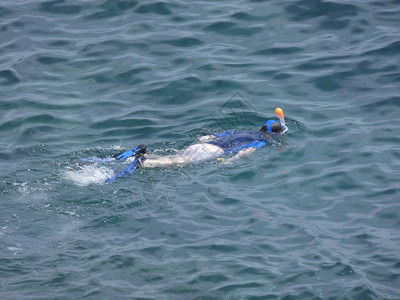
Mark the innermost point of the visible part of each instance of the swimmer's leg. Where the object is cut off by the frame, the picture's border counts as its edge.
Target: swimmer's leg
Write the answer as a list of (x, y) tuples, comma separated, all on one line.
[(165, 161), (194, 153)]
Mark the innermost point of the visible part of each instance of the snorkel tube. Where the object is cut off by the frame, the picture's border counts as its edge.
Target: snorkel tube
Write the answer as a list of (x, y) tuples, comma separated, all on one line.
[(281, 117)]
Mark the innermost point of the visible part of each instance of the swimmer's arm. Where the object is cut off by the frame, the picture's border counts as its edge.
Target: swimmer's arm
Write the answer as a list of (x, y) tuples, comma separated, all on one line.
[(240, 154)]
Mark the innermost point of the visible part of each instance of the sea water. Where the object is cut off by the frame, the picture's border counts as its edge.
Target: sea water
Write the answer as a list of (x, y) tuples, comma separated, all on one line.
[(314, 216)]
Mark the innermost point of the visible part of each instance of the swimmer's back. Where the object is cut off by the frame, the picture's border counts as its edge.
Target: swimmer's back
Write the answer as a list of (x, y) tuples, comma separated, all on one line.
[(239, 139)]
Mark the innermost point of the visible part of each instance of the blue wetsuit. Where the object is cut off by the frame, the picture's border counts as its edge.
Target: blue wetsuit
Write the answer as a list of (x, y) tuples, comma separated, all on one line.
[(232, 142)]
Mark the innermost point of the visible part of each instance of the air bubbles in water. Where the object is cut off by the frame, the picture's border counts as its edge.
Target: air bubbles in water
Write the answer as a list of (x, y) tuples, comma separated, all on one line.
[(89, 175)]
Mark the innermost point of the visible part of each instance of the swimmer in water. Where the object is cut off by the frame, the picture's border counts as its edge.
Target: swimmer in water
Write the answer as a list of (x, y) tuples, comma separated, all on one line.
[(237, 143)]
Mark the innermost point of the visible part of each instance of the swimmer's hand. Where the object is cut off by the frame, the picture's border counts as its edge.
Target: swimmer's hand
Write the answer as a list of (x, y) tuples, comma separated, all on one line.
[(206, 138)]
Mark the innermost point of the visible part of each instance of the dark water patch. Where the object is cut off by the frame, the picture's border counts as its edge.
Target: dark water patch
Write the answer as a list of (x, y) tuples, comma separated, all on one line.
[(57, 7), (236, 286), (14, 45), (159, 8), (214, 278), (220, 85), (310, 9), (357, 30), (35, 132), (116, 262), (179, 61), (152, 250), (388, 140), (163, 53), (45, 118), (112, 8), (32, 104), (278, 51), (391, 49), (179, 19), (333, 24), (346, 271), (364, 67), (389, 78), (4, 12), (282, 76), (208, 67), (182, 291), (231, 28), (36, 150), (332, 82), (362, 292), (299, 277), (244, 16), (107, 48), (224, 66), (59, 43), (220, 26), (379, 105), (18, 24), (128, 123), (229, 201), (184, 42), (249, 271), (129, 76), (328, 83), (383, 15), (38, 119), (243, 176), (239, 65), (269, 73), (114, 135), (106, 221), (7, 77), (86, 63), (50, 60), (107, 77), (181, 89)]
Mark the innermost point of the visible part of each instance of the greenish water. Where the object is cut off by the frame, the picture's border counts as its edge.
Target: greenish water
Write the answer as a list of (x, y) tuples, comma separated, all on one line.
[(314, 216)]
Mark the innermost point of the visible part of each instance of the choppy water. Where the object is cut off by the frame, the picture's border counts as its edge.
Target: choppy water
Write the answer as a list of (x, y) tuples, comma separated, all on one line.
[(314, 216)]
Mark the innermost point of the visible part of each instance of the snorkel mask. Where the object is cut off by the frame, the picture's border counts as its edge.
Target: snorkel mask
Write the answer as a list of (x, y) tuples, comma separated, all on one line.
[(268, 126), (274, 128)]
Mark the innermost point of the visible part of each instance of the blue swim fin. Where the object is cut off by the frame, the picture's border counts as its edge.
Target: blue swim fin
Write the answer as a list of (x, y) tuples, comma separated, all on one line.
[(137, 163), (138, 152), (131, 152), (119, 156)]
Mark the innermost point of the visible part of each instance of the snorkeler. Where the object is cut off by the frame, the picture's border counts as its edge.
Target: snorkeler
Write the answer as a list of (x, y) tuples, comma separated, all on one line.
[(235, 143)]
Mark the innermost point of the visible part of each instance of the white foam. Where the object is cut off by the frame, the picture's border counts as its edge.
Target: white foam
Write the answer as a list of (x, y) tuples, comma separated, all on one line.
[(89, 175)]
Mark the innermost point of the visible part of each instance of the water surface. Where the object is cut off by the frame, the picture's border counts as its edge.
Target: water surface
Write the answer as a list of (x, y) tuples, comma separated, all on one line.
[(314, 216)]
